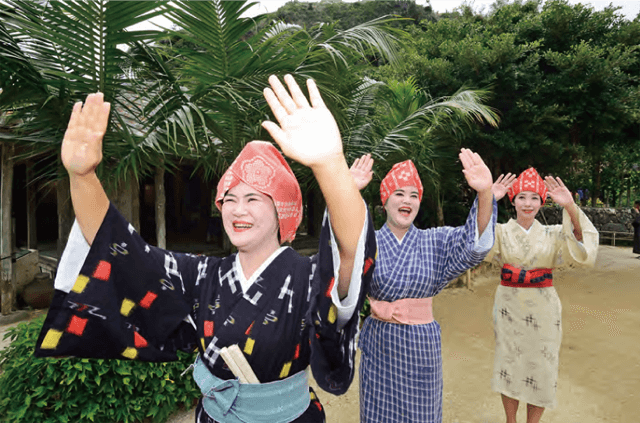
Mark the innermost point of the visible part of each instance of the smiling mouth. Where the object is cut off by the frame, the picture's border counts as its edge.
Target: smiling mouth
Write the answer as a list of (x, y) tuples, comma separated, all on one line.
[(405, 211), (241, 226)]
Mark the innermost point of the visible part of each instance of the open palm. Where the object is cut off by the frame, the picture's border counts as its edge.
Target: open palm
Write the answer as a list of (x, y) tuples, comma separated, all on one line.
[(82, 144), (501, 186), (308, 133), (475, 171), (558, 191), (362, 172)]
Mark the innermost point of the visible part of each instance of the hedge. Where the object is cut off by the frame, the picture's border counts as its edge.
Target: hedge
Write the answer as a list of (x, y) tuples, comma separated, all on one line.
[(81, 390)]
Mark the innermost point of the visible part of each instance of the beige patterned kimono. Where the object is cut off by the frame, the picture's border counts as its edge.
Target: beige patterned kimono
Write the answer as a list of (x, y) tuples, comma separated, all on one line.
[(528, 321)]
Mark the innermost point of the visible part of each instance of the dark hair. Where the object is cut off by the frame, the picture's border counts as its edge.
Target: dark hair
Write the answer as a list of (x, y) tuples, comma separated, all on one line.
[(636, 203)]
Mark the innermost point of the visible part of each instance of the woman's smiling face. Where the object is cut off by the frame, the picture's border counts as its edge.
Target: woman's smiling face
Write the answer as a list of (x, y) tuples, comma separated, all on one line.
[(249, 217), (527, 204), (402, 207)]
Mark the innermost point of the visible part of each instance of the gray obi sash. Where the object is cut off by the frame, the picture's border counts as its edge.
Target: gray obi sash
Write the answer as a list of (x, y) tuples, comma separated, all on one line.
[(230, 401)]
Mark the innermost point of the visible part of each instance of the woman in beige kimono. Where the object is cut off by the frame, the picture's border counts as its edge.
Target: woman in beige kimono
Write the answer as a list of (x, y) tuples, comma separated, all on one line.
[(527, 311)]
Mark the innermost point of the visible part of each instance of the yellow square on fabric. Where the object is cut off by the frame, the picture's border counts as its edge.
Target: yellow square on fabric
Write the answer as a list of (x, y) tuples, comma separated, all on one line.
[(81, 284), (333, 314), (126, 307), (130, 353), (285, 370), (248, 346), (51, 339)]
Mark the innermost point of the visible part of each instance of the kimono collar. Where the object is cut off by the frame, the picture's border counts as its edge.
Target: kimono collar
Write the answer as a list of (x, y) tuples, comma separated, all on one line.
[(534, 225), (400, 241), (246, 283)]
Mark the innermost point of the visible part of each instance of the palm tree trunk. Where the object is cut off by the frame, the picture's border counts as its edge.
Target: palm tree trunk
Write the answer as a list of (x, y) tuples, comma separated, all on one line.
[(66, 215), (161, 205), (440, 210), (7, 285), (126, 198), (32, 236)]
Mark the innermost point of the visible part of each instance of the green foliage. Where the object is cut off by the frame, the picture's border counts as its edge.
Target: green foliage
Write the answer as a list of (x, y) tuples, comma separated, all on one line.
[(81, 390), (348, 15), (564, 78)]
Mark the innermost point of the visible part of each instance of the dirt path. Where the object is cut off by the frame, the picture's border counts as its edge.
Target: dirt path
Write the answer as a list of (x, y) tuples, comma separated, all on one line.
[(599, 377)]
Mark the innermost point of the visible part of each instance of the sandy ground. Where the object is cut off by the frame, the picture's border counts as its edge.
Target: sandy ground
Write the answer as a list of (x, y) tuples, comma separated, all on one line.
[(599, 378)]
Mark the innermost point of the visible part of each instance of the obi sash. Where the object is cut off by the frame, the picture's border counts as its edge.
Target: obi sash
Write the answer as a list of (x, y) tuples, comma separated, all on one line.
[(407, 311), (519, 278), (235, 402)]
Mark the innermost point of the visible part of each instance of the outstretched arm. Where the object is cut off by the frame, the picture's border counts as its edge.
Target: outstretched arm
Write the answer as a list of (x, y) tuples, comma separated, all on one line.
[(308, 134), (81, 153), (479, 178)]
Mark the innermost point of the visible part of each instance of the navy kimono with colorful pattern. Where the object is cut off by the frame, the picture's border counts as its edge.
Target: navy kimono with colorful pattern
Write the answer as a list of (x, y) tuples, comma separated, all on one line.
[(135, 301)]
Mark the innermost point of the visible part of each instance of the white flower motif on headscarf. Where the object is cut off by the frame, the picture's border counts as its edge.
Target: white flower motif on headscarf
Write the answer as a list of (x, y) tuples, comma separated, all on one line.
[(258, 173), (404, 175)]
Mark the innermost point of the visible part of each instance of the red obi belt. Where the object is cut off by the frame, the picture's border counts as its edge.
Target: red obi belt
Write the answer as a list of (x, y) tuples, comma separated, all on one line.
[(520, 278)]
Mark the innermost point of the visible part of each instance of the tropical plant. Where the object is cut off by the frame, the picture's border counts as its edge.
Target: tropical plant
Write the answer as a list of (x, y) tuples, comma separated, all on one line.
[(55, 53), (397, 120)]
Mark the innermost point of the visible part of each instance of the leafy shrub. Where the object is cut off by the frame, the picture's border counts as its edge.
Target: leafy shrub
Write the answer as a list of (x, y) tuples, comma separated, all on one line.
[(81, 390)]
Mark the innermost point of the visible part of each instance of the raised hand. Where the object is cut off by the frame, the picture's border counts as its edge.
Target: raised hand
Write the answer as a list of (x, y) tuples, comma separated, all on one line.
[(82, 144), (475, 171), (307, 133), (558, 192), (361, 171), (501, 186)]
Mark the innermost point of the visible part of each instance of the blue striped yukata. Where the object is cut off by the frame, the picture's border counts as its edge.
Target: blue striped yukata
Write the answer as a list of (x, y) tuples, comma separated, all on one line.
[(401, 365)]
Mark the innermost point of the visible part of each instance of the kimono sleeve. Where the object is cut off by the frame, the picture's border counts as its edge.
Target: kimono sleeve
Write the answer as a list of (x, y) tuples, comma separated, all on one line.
[(129, 299), (574, 252), (495, 254), (333, 348), (460, 245)]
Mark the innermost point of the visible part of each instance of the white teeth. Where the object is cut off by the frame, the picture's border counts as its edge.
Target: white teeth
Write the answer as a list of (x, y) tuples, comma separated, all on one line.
[(242, 226)]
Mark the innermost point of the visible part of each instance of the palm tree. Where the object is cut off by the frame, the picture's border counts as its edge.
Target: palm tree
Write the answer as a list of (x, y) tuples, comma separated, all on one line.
[(51, 55), (396, 120)]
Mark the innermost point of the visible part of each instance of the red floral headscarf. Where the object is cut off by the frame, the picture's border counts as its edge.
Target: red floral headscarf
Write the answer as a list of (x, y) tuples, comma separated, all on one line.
[(263, 168), (403, 174), (529, 180)]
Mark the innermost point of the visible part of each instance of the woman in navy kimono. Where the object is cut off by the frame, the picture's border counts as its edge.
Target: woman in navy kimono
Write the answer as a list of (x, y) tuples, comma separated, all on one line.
[(118, 297), (401, 362)]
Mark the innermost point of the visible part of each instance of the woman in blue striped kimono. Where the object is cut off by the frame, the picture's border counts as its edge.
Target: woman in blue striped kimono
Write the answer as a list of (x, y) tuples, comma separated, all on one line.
[(401, 363)]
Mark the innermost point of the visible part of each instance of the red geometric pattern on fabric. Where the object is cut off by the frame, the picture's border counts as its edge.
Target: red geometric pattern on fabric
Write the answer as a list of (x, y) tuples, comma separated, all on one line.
[(76, 325), (139, 341), (367, 265), (297, 353), (529, 180), (103, 270), (261, 166), (148, 299), (330, 287), (403, 174), (208, 328), (248, 331)]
